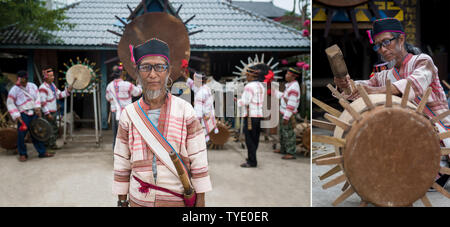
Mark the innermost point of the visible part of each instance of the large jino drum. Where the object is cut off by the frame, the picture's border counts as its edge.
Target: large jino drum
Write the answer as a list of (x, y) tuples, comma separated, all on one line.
[(80, 75)]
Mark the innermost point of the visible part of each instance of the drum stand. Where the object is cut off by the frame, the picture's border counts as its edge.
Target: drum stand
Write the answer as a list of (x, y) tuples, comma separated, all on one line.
[(97, 117)]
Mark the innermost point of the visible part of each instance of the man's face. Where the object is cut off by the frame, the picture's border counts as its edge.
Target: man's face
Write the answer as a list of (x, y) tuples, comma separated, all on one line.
[(49, 74), (150, 77), (23, 81), (290, 76), (393, 49)]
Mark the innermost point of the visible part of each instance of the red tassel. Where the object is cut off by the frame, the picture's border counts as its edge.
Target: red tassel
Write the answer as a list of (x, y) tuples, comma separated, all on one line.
[(143, 189), (23, 126)]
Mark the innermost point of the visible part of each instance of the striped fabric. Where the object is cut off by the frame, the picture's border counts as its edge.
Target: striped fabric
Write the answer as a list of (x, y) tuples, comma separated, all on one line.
[(179, 125), (290, 99), (422, 72), (48, 98), (253, 97), (18, 102), (122, 91)]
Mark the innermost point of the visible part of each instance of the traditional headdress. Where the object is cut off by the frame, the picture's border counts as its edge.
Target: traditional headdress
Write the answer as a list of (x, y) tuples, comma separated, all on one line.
[(153, 47), (385, 25), (295, 71), (200, 75)]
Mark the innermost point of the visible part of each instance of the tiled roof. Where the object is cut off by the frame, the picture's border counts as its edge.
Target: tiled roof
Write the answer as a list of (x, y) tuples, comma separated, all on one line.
[(224, 25), (267, 9)]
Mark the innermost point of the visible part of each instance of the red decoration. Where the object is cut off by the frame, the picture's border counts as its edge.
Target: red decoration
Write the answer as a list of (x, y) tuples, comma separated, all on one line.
[(306, 23), (300, 64), (306, 66), (305, 33), (268, 79), (284, 62), (184, 63)]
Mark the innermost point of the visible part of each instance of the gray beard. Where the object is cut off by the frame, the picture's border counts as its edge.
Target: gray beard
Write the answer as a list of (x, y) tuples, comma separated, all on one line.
[(152, 94)]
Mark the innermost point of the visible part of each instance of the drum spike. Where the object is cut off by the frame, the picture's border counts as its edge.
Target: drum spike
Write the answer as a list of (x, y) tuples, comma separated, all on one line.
[(337, 122), (426, 202), (121, 21), (423, 101), (445, 151), (78, 60), (274, 65), (193, 33), (441, 190), (178, 10), (334, 91), (113, 32), (444, 135), (237, 67), (350, 109), (330, 172), (335, 181), (262, 58), (66, 65), (243, 63), (328, 140), (256, 58), (444, 170), (326, 107), (344, 196), (329, 161), (388, 94), (365, 96), (406, 94), (187, 21), (270, 61)]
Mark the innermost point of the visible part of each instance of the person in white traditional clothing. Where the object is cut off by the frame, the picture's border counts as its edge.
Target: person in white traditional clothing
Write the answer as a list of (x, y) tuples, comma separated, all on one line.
[(389, 40), (49, 93), (252, 100), (290, 100), (119, 94), (24, 105), (203, 102), (156, 125)]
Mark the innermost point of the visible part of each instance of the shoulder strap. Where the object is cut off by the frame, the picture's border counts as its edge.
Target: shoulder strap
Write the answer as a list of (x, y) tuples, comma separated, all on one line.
[(151, 137)]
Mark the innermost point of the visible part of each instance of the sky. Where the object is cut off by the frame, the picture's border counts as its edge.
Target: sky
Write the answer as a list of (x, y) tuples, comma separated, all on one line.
[(285, 4)]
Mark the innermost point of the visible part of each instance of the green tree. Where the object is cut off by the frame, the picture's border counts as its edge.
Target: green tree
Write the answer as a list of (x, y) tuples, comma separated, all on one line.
[(32, 17)]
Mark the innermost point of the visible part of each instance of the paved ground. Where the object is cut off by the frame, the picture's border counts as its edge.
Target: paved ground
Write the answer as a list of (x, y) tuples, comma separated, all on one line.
[(325, 198), (81, 175)]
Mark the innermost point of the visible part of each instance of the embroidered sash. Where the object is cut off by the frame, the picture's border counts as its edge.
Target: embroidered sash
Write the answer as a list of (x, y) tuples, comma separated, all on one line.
[(153, 139)]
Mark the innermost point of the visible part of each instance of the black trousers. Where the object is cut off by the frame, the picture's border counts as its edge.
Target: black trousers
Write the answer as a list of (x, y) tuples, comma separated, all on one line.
[(252, 139)]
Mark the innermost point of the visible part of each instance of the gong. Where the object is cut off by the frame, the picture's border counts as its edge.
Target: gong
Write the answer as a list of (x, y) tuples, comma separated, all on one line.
[(41, 129)]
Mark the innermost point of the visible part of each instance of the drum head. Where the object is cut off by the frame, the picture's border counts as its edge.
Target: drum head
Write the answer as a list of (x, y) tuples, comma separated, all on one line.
[(82, 73), (156, 25), (8, 138)]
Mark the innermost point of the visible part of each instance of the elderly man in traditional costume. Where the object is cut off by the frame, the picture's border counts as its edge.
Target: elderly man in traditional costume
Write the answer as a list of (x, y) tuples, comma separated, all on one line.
[(203, 102), (252, 100), (24, 105), (119, 94), (290, 99), (389, 40), (49, 93), (150, 128)]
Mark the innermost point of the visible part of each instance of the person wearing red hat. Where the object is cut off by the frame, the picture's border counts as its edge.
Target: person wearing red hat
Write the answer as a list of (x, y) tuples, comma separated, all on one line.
[(290, 100), (49, 93), (24, 105)]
